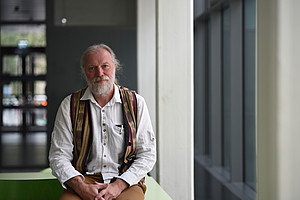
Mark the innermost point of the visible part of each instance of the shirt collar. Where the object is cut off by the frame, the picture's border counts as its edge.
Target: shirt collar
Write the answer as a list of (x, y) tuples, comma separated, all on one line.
[(115, 99)]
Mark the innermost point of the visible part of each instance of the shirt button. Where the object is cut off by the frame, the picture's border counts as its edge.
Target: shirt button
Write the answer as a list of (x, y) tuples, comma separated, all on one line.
[(103, 110), (104, 130), (104, 124), (105, 136), (104, 144), (104, 156), (104, 166)]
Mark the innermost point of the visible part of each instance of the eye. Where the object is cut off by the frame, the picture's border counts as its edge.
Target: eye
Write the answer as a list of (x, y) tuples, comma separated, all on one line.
[(91, 68)]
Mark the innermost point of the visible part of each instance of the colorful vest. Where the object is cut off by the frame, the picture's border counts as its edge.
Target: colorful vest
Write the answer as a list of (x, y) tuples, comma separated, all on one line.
[(83, 133)]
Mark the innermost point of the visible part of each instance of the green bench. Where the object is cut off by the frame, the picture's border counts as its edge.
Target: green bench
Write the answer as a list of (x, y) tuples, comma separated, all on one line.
[(43, 185), (37, 185)]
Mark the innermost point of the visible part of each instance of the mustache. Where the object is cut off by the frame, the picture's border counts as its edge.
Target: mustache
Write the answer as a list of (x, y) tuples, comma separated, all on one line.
[(100, 78)]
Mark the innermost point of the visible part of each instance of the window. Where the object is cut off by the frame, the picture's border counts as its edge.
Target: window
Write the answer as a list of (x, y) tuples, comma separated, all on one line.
[(225, 98), (23, 69)]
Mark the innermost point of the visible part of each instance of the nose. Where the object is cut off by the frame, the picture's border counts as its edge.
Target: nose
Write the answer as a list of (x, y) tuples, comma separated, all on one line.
[(99, 71)]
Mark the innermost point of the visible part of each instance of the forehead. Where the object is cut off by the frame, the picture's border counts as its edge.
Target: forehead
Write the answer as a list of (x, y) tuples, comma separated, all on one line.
[(99, 55)]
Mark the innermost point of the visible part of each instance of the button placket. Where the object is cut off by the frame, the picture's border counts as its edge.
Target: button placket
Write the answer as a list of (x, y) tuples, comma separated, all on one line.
[(105, 137)]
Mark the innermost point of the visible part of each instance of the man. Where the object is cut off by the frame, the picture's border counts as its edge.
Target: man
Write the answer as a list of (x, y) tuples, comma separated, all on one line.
[(103, 143)]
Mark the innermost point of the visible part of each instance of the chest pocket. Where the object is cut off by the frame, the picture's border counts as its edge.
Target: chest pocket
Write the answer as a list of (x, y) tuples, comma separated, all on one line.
[(117, 140)]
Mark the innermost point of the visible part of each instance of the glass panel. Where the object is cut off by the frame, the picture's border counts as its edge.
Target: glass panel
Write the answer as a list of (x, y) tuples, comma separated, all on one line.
[(40, 87), (40, 117), (36, 64), (208, 91), (12, 65), (12, 117), (249, 91), (40, 98), (226, 87), (12, 94), (23, 35), (40, 64)]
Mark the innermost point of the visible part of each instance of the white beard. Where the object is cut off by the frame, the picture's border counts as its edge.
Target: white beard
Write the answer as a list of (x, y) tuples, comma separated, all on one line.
[(99, 89)]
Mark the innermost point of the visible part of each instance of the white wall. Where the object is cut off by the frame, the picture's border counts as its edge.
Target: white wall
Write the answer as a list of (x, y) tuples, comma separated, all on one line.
[(278, 70)]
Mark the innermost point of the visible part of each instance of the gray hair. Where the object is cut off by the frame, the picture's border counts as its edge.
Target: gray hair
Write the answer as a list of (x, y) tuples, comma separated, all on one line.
[(96, 47)]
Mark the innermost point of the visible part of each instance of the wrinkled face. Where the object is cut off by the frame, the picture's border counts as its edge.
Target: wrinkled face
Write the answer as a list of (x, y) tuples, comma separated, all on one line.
[(99, 71)]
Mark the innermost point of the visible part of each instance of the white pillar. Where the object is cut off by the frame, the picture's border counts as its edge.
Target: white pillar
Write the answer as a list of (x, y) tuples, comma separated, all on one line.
[(278, 70), (146, 57), (175, 97)]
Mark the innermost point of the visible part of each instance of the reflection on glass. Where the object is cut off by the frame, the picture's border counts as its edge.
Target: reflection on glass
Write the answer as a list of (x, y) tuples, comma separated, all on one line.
[(40, 87), (12, 117), (34, 34), (226, 88), (36, 64), (40, 117), (40, 100), (12, 94), (249, 88), (12, 65)]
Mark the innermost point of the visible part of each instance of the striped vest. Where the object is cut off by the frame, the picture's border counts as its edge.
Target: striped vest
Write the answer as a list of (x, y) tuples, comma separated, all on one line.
[(83, 134)]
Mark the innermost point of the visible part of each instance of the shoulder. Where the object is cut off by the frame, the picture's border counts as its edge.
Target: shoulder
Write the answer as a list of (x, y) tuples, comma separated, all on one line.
[(65, 103), (139, 98)]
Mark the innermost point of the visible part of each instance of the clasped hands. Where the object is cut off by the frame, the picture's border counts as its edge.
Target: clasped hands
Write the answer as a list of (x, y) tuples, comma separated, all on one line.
[(101, 191)]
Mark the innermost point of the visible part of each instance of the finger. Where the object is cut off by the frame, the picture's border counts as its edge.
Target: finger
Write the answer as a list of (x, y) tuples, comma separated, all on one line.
[(97, 183), (102, 186), (99, 197), (102, 193)]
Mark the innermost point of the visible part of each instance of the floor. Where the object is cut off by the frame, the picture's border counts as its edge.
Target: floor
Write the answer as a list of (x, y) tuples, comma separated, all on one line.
[(23, 153)]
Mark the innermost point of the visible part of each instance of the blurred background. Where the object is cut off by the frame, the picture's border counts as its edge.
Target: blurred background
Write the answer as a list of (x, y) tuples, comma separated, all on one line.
[(220, 78)]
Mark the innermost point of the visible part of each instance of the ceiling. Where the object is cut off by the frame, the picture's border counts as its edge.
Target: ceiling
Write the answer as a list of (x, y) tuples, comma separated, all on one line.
[(22, 10)]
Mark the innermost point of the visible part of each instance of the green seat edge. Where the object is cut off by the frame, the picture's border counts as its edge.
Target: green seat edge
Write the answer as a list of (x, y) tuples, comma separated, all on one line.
[(51, 188)]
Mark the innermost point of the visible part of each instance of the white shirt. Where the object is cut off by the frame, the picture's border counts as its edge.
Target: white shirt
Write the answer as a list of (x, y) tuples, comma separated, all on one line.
[(108, 141)]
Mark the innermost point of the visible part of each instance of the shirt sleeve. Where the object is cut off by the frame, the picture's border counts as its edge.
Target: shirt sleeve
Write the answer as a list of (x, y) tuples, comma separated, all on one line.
[(145, 147), (61, 149)]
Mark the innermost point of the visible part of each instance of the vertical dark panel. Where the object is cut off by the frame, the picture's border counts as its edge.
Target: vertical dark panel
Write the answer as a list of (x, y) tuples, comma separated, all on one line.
[(226, 90), (249, 92), (216, 86), (236, 89)]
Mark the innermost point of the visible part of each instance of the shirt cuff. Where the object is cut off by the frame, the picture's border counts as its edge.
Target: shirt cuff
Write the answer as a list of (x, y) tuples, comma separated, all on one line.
[(63, 179), (129, 178)]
